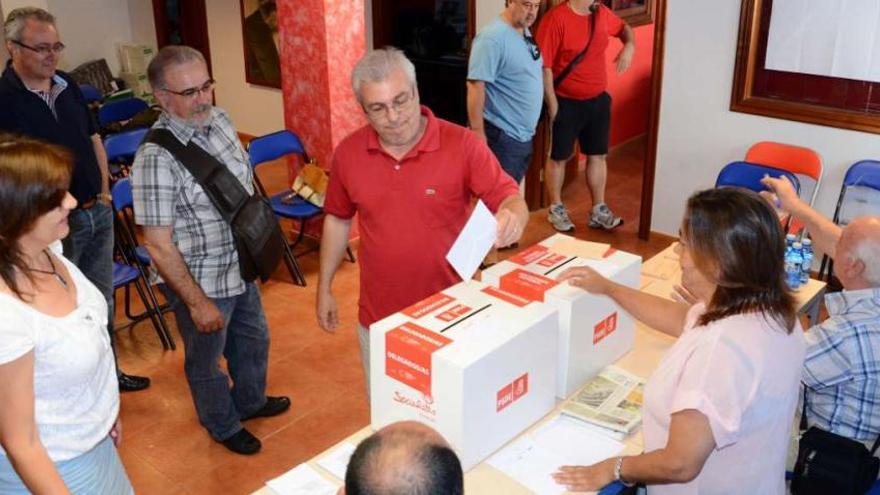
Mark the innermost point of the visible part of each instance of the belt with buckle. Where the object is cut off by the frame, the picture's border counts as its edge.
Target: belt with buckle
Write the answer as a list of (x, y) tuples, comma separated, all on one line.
[(85, 205)]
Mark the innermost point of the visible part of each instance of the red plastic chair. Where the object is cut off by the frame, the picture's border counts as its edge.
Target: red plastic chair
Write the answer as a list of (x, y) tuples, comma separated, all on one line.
[(803, 162)]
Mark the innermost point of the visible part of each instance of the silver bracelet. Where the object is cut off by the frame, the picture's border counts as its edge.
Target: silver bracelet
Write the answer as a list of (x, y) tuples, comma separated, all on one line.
[(617, 465)]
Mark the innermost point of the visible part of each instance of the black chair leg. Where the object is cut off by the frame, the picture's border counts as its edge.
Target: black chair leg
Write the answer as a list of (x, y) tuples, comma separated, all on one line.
[(150, 313)]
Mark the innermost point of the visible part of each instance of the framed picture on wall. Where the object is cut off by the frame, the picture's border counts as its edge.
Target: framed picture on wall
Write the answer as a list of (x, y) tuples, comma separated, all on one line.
[(634, 12), (259, 27)]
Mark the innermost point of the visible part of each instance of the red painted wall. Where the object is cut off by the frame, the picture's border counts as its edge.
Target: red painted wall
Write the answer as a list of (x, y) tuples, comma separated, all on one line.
[(631, 92)]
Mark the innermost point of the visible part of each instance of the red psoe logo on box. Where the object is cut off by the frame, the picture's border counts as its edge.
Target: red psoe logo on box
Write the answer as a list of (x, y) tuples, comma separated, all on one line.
[(512, 392), (529, 255), (408, 350), (427, 305), (605, 328), (454, 312), (507, 297), (525, 284), (551, 260)]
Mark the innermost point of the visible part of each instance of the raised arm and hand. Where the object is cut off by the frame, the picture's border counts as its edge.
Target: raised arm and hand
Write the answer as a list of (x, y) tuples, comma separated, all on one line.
[(823, 231)]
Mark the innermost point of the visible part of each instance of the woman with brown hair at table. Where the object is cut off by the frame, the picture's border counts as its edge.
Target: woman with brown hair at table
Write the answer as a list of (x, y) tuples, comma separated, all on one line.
[(59, 399), (718, 409)]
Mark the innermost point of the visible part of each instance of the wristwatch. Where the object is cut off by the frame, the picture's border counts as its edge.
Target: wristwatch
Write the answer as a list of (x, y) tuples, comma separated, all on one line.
[(617, 465)]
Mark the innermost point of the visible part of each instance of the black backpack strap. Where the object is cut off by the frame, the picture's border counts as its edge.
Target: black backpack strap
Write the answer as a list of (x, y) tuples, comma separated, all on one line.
[(220, 184), (580, 56)]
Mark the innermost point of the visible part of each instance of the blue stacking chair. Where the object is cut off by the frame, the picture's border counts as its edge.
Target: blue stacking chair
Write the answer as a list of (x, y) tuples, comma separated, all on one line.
[(121, 148), (90, 93), (119, 110), (859, 195), (272, 147), (131, 266), (749, 175)]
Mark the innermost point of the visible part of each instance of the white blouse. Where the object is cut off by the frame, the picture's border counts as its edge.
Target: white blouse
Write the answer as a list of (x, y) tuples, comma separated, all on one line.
[(76, 394), (742, 373)]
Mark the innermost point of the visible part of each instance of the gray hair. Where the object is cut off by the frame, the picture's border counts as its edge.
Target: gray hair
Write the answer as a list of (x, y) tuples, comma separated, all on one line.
[(16, 19), (170, 55), (377, 66), (867, 250)]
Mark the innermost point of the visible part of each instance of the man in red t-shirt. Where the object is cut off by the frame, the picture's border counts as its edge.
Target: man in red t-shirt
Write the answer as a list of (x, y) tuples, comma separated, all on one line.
[(410, 176), (579, 107)]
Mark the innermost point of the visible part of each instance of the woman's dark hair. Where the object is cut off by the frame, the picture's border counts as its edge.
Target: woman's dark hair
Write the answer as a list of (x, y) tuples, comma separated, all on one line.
[(34, 177), (736, 241)]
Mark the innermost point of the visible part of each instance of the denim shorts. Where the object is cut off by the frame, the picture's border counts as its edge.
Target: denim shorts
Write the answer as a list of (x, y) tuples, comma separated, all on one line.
[(513, 155)]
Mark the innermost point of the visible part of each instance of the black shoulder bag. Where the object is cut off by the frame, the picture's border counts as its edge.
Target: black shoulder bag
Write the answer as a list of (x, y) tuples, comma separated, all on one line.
[(580, 56), (258, 238), (829, 463)]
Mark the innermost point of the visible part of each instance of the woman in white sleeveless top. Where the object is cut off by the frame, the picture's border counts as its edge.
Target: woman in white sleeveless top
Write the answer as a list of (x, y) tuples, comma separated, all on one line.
[(59, 399)]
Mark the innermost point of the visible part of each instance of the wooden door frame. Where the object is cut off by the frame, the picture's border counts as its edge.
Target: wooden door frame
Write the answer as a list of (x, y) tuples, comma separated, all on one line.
[(648, 172), (160, 21)]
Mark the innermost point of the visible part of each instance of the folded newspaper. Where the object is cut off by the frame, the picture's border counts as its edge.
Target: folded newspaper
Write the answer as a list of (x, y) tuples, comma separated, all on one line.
[(612, 400)]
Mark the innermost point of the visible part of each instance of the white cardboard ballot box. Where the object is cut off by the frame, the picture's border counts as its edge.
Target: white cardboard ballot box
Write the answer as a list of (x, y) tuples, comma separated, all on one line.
[(477, 365), (593, 330)]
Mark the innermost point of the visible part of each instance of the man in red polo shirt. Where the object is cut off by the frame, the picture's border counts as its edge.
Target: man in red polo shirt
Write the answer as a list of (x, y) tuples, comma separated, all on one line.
[(410, 176), (573, 37)]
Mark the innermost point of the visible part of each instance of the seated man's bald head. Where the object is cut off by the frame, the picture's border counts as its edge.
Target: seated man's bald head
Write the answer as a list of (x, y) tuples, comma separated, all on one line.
[(858, 252), (405, 458)]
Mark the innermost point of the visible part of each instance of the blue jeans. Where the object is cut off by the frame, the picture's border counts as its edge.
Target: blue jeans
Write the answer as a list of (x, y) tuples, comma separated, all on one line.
[(244, 342), (514, 155), (89, 246)]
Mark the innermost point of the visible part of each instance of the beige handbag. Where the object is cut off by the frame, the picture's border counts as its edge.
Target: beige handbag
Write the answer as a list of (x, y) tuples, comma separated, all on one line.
[(311, 183)]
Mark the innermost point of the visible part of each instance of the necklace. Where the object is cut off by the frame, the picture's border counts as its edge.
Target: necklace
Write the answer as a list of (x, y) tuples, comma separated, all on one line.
[(53, 272)]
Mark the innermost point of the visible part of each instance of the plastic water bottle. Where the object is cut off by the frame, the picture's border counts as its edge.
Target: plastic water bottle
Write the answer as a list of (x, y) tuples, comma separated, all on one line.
[(807, 260), (793, 262), (789, 240)]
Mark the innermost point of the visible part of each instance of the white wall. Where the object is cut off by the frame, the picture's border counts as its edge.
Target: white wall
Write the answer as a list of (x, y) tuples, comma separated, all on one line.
[(255, 110), (143, 26), (699, 134), (91, 29), (487, 10)]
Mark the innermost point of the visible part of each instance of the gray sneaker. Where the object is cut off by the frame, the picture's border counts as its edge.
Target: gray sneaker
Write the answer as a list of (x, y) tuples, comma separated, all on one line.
[(558, 217), (602, 218)]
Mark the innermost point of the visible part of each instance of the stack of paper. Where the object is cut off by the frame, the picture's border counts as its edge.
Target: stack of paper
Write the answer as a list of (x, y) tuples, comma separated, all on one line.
[(302, 480), (533, 458)]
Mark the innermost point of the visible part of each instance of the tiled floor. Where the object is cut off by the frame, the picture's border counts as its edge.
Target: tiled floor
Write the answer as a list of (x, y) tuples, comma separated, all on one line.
[(166, 451)]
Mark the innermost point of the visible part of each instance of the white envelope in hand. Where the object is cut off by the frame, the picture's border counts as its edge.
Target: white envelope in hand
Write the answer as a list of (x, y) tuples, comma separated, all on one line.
[(474, 242)]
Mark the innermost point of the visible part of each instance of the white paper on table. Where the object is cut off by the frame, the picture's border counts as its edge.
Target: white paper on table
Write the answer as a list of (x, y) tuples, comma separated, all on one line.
[(532, 459), (302, 480), (837, 38), (336, 461), (474, 242)]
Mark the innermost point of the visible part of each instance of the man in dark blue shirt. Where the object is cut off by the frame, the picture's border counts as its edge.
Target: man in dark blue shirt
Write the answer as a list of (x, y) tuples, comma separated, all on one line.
[(41, 102)]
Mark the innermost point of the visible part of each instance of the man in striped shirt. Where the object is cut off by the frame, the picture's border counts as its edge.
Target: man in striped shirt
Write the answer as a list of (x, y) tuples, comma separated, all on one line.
[(219, 314), (843, 354)]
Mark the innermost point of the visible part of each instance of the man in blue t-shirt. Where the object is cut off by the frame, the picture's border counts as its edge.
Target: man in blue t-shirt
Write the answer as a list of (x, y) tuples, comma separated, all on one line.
[(505, 86)]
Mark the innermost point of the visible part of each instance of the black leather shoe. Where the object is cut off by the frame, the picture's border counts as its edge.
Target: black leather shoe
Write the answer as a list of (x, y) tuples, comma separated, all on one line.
[(273, 407), (243, 443), (132, 383)]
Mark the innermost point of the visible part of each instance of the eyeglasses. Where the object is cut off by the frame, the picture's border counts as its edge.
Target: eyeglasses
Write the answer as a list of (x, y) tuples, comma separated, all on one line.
[(378, 110), (533, 47), (42, 49), (193, 92)]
